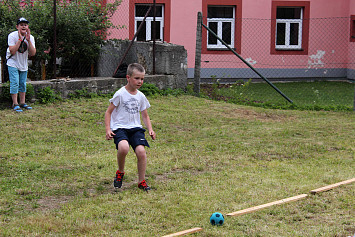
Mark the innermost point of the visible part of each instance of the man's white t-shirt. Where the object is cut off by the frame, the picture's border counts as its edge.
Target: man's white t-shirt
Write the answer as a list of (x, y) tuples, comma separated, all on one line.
[(18, 60), (128, 108)]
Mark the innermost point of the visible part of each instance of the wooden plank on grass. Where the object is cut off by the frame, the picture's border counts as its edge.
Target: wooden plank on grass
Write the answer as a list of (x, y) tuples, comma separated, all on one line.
[(326, 188), (185, 232), (256, 208)]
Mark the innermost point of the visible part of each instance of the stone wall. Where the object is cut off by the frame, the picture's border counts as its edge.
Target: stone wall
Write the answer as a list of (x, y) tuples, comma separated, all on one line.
[(170, 59), (171, 69), (101, 85)]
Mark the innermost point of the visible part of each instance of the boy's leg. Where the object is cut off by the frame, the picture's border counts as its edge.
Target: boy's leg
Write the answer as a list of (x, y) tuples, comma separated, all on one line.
[(138, 142), (141, 162), (14, 99), (14, 78), (122, 151), (142, 165), (22, 86), (22, 97)]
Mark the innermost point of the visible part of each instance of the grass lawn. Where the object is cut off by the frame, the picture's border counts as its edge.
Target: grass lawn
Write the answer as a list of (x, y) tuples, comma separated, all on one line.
[(328, 95), (56, 171)]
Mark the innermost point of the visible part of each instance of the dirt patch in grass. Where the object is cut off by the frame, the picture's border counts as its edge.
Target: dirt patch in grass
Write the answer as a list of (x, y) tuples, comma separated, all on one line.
[(55, 202), (254, 115), (165, 176), (52, 202)]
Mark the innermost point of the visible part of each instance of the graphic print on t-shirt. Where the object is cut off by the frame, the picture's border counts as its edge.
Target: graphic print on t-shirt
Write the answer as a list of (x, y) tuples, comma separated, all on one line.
[(131, 106)]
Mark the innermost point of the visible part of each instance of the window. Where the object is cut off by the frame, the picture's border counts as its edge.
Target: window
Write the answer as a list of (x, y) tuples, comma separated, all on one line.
[(137, 11), (352, 28), (223, 18), (146, 33), (221, 21), (290, 27)]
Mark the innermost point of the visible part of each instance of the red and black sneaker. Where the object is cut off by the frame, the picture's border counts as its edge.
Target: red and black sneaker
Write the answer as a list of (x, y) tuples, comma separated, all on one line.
[(117, 182), (143, 185)]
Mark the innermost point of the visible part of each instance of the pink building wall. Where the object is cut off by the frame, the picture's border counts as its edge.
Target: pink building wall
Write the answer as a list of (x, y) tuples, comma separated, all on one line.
[(351, 58), (120, 18), (256, 32), (184, 22)]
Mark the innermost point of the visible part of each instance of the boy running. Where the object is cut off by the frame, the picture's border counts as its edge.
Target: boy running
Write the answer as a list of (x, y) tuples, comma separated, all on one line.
[(123, 124)]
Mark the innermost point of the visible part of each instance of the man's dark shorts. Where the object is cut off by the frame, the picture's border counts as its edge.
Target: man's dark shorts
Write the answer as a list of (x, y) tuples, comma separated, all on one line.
[(134, 136)]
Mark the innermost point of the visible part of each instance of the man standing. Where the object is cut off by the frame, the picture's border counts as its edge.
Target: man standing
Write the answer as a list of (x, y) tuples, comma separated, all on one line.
[(21, 46)]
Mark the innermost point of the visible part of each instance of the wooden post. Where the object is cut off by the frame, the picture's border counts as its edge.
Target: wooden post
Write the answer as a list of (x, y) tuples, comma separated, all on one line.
[(197, 71), (43, 69), (2, 75)]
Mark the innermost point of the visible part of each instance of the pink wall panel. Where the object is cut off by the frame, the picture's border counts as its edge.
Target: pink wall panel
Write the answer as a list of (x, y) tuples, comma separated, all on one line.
[(330, 19), (120, 18), (183, 25), (351, 52)]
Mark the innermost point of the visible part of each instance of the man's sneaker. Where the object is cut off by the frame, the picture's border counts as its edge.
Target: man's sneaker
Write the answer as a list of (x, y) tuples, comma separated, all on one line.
[(143, 185), (117, 182)]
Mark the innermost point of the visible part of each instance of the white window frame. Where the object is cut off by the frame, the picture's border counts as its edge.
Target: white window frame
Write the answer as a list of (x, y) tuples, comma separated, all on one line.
[(148, 22), (220, 22), (288, 23)]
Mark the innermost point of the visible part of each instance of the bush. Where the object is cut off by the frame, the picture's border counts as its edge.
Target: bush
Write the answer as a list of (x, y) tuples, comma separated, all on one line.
[(149, 89), (30, 92), (5, 92), (6, 96), (75, 42), (82, 94), (173, 92), (47, 95)]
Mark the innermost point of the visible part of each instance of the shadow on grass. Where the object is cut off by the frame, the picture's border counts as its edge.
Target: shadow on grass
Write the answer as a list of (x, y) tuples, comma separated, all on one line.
[(5, 105)]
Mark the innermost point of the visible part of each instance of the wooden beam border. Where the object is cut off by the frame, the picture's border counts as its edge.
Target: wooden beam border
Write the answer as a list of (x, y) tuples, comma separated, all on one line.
[(326, 188), (256, 208), (185, 232)]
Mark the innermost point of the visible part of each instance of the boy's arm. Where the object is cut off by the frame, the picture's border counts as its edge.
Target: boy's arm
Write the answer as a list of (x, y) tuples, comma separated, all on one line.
[(109, 133), (14, 44), (148, 124), (31, 47)]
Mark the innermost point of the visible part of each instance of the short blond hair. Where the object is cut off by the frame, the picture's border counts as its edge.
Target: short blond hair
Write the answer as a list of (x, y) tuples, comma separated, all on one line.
[(135, 66)]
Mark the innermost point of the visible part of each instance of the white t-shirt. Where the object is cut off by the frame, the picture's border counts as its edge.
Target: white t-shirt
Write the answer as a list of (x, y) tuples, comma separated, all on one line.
[(128, 108), (18, 60)]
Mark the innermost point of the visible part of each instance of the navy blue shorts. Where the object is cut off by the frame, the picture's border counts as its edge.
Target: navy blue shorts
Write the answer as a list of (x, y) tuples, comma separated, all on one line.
[(134, 136)]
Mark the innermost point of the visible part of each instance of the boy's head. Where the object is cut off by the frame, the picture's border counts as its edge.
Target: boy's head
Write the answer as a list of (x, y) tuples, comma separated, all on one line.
[(135, 66), (135, 76), (22, 25), (22, 20)]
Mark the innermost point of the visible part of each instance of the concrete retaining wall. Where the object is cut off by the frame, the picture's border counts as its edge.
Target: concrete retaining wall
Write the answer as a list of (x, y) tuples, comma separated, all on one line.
[(171, 69), (170, 59), (102, 85)]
